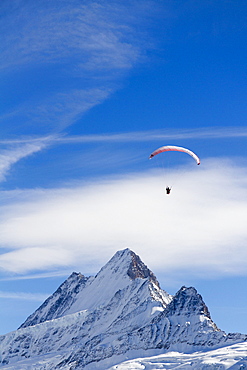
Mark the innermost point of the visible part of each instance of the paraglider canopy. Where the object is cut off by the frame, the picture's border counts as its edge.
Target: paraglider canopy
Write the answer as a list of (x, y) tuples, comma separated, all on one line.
[(169, 148), (176, 149)]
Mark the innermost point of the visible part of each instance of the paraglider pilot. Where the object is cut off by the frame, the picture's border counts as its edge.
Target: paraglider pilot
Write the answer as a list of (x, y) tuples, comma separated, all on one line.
[(168, 190)]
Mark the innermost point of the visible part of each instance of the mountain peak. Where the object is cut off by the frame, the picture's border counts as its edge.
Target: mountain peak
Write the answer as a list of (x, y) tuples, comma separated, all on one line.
[(131, 265), (187, 301)]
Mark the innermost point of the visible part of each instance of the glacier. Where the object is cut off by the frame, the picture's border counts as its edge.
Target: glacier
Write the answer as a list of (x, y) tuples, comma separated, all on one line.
[(120, 314), (231, 357)]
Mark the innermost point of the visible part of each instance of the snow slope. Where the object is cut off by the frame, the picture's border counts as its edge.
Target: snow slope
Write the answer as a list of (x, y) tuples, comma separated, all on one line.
[(231, 357), (93, 323)]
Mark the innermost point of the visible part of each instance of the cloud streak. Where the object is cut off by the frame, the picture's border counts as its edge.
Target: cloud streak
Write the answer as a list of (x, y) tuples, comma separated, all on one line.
[(135, 136), (8, 157), (23, 296), (200, 227), (49, 116), (45, 275), (152, 135)]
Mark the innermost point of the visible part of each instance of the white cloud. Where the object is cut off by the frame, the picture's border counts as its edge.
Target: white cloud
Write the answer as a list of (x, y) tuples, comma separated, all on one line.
[(23, 296), (20, 260), (99, 35), (9, 157), (201, 226), (152, 135)]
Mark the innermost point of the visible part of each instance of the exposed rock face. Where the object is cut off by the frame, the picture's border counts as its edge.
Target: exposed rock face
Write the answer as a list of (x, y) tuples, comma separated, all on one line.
[(121, 309), (138, 269)]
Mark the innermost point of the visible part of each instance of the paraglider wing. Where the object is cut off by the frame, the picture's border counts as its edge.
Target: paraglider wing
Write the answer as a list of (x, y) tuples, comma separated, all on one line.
[(176, 149)]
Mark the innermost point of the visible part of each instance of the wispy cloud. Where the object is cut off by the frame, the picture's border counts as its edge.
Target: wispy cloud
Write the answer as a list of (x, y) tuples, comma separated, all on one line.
[(50, 115), (85, 48), (99, 35), (44, 275), (152, 135), (28, 140), (131, 136), (8, 157), (200, 226), (23, 296)]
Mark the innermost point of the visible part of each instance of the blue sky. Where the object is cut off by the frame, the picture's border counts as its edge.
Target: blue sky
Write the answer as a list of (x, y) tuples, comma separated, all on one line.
[(88, 90)]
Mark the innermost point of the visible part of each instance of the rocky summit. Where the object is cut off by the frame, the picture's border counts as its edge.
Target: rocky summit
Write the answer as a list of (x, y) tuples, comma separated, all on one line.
[(121, 313)]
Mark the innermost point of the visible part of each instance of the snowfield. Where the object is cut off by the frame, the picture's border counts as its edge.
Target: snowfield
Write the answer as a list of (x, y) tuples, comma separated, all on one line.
[(231, 357)]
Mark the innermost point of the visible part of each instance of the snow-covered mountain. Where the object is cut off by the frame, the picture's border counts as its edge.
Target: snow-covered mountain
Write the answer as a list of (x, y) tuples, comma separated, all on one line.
[(96, 322)]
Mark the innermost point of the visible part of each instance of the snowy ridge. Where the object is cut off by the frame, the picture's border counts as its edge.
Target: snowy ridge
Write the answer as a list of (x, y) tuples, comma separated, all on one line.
[(90, 321), (56, 305)]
